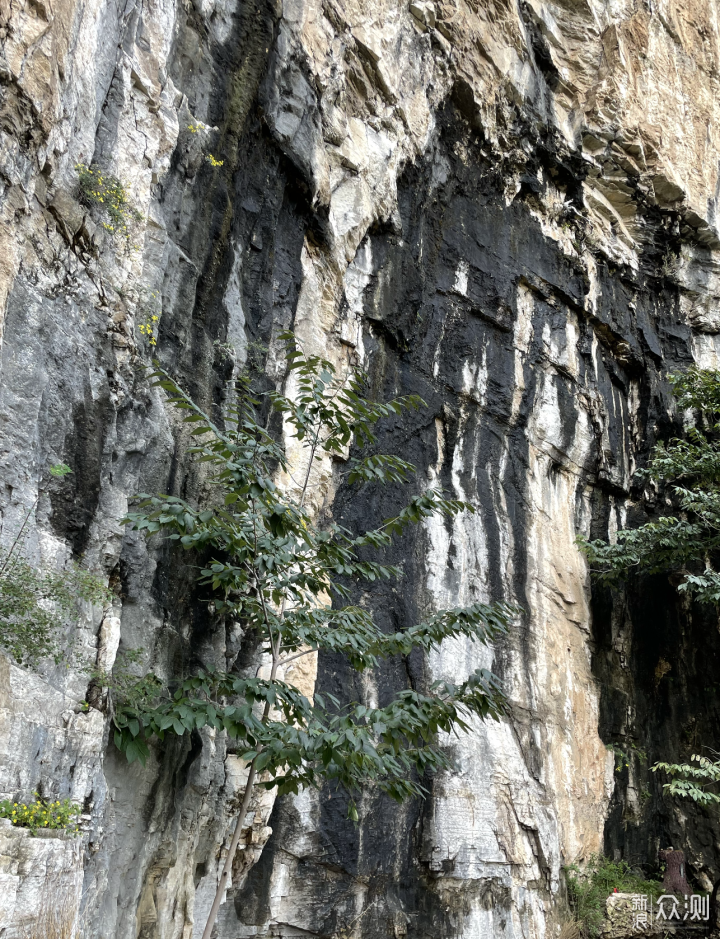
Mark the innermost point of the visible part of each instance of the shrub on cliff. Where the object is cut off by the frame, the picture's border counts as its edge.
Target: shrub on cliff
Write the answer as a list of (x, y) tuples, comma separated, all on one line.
[(36, 602), (42, 815), (687, 538), (590, 886), (109, 195), (285, 578)]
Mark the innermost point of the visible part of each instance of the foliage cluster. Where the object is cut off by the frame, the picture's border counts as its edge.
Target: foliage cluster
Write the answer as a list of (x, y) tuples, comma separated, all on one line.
[(590, 886), (107, 193), (690, 781), (683, 541), (42, 814), (272, 568), (35, 602), (686, 539), (288, 581), (306, 742)]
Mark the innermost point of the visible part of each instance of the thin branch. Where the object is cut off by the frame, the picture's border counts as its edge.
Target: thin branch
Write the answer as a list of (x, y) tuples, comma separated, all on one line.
[(298, 655), (18, 536), (309, 469)]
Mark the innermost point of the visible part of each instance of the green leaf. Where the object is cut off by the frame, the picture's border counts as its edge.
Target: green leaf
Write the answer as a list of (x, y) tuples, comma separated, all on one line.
[(262, 760), (60, 470)]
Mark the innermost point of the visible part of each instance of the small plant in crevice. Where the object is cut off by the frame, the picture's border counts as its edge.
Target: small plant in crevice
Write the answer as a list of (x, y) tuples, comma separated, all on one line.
[(624, 752), (691, 736), (224, 350), (255, 353), (35, 602), (570, 929), (149, 311), (670, 264), (108, 194), (42, 814), (199, 127), (147, 329)]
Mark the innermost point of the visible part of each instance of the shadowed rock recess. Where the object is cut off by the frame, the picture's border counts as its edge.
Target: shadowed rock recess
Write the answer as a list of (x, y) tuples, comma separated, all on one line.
[(507, 208)]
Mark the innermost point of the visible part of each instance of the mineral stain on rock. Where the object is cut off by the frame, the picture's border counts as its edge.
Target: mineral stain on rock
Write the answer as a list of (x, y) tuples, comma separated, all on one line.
[(508, 209)]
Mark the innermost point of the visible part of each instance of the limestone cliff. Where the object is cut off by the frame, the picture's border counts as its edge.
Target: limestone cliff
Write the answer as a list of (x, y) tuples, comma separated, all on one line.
[(508, 208)]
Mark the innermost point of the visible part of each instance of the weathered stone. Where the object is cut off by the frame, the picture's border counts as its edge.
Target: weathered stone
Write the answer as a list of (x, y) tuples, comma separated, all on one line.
[(424, 13), (508, 209), (40, 882)]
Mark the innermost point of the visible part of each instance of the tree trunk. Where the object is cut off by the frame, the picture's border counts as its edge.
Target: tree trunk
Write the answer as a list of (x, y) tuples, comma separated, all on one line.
[(227, 867)]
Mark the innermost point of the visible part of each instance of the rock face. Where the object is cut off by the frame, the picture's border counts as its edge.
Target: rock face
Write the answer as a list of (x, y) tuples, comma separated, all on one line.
[(41, 881), (506, 208)]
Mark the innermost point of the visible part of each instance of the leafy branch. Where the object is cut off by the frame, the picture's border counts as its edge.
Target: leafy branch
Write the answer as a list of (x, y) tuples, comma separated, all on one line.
[(688, 781), (689, 536)]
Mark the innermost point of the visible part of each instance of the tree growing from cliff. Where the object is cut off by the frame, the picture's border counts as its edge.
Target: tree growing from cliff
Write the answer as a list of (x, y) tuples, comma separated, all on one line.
[(684, 541), (287, 579)]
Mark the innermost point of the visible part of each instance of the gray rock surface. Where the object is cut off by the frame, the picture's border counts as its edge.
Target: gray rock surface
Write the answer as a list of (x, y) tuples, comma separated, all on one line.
[(507, 208), (41, 881)]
